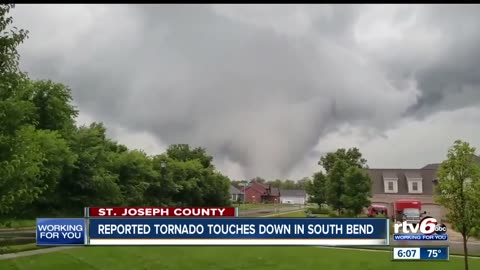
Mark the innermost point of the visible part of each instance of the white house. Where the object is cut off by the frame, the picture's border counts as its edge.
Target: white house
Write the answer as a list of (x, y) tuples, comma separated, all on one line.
[(294, 196)]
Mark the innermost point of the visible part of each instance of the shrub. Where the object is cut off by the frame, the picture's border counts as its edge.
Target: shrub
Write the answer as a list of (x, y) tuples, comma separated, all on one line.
[(320, 211), (16, 241), (348, 214)]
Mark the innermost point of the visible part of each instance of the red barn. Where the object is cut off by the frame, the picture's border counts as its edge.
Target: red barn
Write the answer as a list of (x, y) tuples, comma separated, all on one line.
[(261, 193)]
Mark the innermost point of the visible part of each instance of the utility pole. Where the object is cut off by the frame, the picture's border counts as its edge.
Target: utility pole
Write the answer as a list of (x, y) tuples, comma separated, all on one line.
[(244, 188), (163, 165)]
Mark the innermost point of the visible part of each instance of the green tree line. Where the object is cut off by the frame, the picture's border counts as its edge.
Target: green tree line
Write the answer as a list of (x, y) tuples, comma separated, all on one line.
[(278, 183), (51, 166)]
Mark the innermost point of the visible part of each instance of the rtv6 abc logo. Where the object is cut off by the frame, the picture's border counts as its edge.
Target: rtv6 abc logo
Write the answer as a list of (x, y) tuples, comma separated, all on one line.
[(430, 225), (427, 226)]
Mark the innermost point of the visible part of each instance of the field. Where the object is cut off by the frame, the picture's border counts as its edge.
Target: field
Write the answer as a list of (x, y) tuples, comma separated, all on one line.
[(224, 258)]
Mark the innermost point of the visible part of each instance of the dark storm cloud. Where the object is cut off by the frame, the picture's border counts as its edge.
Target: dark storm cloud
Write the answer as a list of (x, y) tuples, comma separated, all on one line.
[(246, 91), (445, 67)]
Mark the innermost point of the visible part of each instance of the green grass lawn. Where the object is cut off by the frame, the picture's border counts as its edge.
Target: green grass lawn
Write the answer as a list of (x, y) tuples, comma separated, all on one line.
[(19, 248), (253, 206), (296, 214), (221, 258)]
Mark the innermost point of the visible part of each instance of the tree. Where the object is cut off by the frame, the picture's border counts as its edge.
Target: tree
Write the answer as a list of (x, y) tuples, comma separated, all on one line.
[(49, 164), (258, 179), (351, 156), (458, 190), (276, 183), (302, 183), (14, 110), (9, 41), (336, 165), (317, 189), (54, 110), (335, 187), (287, 184), (24, 160), (215, 189), (135, 174), (183, 152), (31, 167), (188, 178), (283, 184), (357, 190), (91, 181), (237, 183), (57, 157), (163, 189)]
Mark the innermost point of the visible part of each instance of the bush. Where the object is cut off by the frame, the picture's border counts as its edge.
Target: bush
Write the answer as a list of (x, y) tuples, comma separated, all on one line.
[(16, 241), (6, 224), (320, 211), (348, 214), (476, 233)]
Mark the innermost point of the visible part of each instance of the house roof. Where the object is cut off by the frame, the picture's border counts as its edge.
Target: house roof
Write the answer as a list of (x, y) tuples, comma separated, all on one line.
[(431, 166), (389, 174), (413, 174), (257, 187), (428, 174), (234, 190), (293, 192), (262, 185), (378, 175), (264, 189)]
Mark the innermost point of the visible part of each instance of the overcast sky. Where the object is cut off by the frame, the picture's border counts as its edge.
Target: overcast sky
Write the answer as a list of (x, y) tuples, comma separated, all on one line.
[(268, 89)]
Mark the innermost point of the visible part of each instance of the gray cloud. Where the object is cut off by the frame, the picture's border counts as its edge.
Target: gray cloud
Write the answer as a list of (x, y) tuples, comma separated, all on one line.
[(439, 49), (259, 86)]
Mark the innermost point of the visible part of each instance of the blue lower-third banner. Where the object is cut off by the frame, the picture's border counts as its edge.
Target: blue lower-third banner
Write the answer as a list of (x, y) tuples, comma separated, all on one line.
[(61, 231), (239, 231)]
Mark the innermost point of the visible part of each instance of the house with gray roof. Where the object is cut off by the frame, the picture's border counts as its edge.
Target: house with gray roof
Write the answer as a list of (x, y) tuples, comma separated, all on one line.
[(390, 185), (293, 196), (235, 194)]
